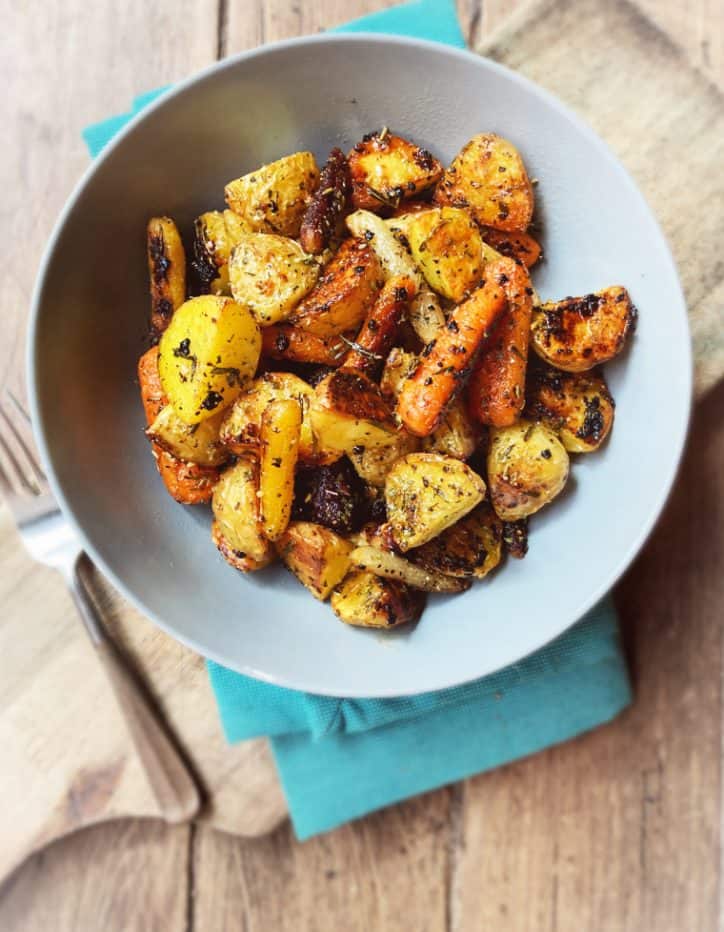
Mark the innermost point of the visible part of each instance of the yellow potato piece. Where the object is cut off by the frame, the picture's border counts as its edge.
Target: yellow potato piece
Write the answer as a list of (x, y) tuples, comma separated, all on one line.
[(197, 443), (447, 246), (371, 601), (235, 504), (317, 556), (281, 425)]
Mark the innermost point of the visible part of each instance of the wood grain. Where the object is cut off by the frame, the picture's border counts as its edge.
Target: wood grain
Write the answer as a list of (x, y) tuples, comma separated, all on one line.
[(619, 830)]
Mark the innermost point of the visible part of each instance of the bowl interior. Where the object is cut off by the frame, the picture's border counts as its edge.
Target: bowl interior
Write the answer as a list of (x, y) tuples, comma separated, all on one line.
[(90, 321)]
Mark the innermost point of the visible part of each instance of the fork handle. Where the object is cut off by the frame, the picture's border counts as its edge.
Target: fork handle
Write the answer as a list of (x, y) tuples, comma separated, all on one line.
[(171, 782)]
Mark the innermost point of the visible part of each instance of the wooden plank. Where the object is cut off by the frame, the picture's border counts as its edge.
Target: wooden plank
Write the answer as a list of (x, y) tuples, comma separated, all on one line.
[(129, 876)]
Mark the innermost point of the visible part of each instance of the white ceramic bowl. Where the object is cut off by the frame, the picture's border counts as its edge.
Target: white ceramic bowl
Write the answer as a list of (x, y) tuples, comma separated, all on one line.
[(90, 316)]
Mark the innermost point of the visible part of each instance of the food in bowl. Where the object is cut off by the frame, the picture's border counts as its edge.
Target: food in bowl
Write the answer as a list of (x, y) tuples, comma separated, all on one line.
[(349, 384)]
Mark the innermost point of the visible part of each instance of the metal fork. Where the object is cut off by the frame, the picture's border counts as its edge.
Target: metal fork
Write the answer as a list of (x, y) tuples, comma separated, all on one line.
[(51, 540)]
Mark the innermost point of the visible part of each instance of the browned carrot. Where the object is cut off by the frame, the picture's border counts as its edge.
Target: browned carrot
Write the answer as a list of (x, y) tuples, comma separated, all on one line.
[(188, 483), (286, 342), (520, 246), (496, 394), (447, 361), (378, 332)]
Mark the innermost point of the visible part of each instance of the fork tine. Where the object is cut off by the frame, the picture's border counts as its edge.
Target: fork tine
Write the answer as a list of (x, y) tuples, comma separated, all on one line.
[(18, 406), (39, 475), (6, 486), (18, 470)]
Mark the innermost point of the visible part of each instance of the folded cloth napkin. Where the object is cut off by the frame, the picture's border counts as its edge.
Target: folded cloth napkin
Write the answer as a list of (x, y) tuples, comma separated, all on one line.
[(339, 759)]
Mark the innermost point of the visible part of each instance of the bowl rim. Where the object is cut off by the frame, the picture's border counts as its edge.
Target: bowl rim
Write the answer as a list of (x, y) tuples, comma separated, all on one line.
[(679, 429)]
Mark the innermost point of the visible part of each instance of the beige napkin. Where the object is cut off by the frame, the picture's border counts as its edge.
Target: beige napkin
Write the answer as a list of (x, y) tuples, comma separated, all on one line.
[(661, 116)]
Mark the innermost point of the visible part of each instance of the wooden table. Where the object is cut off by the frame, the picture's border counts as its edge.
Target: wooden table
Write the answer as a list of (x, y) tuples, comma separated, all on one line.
[(618, 830)]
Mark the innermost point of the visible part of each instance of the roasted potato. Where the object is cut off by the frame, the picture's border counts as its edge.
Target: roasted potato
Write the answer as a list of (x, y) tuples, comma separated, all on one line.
[(273, 198), (348, 412), (426, 316), (197, 443), (206, 355), (577, 406), (371, 601), (425, 493), (166, 269), (456, 435), (385, 169), (374, 463), (270, 275), (445, 242), (394, 258), (519, 246), (283, 341), (344, 293), (576, 334), (327, 205), (331, 495), (235, 504), (318, 557), (470, 548), (488, 178), (214, 239), (399, 366), (237, 558), (281, 425), (387, 564), (241, 427), (515, 538), (527, 468)]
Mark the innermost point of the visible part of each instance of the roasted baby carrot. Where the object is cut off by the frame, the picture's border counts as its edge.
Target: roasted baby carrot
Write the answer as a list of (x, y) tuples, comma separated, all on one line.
[(188, 483), (286, 342), (496, 393), (447, 361), (373, 342)]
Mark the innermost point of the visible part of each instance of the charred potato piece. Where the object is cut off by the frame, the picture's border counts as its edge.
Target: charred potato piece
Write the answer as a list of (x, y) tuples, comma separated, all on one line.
[(470, 548), (488, 178), (349, 411), (456, 435), (385, 169), (270, 275), (387, 564), (527, 468), (241, 427), (273, 198), (576, 334), (281, 425), (374, 463), (237, 558), (195, 444), (318, 557), (327, 205), (235, 504), (425, 493), (515, 538), (371, 601), (519, 246), (393, 256), (214, 241), (166, 269), (296, 345), (331, 495), (344, 293), (446, 244), (577, 406)]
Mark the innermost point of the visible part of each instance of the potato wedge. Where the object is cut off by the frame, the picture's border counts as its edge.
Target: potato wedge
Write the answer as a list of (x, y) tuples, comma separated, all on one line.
[(385, 169), (283, 341), (389, 565), (281, 425), (425, 493), (273, 198), (166, 269), (318, 557), (399, 366), (235, 504), (527, 468), (270, 275), (576, 405), (576, 334), (394, 258), (348, 412), (214, 241), (374, 463), (445, 243), (519, 246), (198, 443), (456, 435), (237, 558), (206, 355), (241, 427), (470, 548), (344, 293), (370, 601), (488, 178), (426, 316)]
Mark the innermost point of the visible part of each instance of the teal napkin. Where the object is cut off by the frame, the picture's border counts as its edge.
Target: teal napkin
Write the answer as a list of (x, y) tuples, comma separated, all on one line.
[(339, 759)]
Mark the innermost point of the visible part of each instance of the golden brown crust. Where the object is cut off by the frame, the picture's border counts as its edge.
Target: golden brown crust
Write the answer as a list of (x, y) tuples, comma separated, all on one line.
[(387, 169), (520, 246), (237, 559), (577, 405), (375, 602), (284, 341), (471, 548)]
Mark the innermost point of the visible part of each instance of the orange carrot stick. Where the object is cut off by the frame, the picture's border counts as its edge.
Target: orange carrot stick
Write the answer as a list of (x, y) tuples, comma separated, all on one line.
[(447, 361), (378, 332), (286, 342), (496, 394)]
